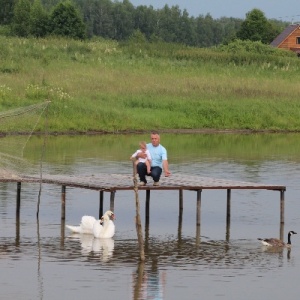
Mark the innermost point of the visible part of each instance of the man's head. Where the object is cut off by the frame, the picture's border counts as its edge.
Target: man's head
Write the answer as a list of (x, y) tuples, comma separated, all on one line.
[(155, 139)]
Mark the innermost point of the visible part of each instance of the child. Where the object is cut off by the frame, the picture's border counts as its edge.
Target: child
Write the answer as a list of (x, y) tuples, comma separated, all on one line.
[(147, 160)]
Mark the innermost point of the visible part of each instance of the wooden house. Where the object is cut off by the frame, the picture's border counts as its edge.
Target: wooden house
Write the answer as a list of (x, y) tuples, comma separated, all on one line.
[(289, 39)]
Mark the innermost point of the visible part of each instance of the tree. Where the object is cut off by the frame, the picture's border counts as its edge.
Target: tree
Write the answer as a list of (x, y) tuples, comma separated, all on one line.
[(256, 27), (21, 19), (39, 20), (145, 20), (103, 21), (123, 16), (204, 31), (6, 11), (66, 21)]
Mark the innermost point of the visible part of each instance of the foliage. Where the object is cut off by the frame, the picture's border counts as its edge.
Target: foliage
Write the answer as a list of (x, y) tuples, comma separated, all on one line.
[(39, 20), (6, 11), (256, 27), (100, 85), (65, 21), (21, 19), (5, 30), (257, 48), (120, 19)]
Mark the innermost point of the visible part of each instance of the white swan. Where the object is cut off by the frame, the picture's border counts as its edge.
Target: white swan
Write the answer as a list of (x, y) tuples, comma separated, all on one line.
[(107, 228), (86, 225)]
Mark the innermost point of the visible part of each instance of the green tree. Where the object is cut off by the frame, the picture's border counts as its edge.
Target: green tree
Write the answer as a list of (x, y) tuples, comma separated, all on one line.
[(168, 23), (103, 19), (6, 11), (65, 20), (39, 20), (21, 19), (256, 27), (123, 16), (145, 20), (186, 32), (204, 31)]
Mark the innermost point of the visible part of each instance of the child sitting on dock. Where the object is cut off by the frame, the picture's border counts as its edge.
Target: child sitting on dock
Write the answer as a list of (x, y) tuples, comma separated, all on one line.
[(146, 161)]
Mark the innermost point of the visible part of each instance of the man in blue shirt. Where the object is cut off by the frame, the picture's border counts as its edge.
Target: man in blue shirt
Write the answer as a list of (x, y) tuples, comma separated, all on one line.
[(159, 161)]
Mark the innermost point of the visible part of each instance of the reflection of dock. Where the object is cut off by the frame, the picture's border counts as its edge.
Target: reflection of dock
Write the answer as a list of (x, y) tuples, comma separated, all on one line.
[(114, 182)]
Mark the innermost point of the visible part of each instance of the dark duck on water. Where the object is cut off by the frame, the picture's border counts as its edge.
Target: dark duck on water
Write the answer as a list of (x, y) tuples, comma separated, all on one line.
[(276, 242)]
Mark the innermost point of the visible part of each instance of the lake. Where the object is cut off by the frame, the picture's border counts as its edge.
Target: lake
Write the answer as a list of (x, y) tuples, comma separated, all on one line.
[(40, 259)]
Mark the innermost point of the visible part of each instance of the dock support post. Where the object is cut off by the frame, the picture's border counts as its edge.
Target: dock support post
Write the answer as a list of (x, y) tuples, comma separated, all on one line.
[(101, 204), (282, 206), (198, 207), (198, 217), (17, 231), (112, 200), (281, 214), (63, 202), (228, 214), (147, 207), (180, 203), (18, 200), (180, 213), (62, 233)]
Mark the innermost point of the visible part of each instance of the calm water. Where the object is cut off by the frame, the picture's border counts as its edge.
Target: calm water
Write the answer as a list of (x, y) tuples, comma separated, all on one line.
[(40, 260)]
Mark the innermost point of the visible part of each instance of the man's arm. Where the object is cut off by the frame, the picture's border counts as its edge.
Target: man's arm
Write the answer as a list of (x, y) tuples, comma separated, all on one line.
[(166, 168)]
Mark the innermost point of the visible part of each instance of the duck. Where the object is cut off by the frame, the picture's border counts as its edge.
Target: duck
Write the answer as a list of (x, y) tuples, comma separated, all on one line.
[(276, 242), (86, 225), (106, 227)]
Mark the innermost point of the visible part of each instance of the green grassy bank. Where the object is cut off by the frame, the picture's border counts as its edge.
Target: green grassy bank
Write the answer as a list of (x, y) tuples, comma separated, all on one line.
[(104, 86)]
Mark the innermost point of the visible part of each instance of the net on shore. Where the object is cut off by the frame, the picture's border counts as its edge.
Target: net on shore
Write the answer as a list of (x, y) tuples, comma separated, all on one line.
[(16, 128)]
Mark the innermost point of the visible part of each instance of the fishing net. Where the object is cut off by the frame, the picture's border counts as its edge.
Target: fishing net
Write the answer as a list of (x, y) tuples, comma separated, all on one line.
[(16, 128)]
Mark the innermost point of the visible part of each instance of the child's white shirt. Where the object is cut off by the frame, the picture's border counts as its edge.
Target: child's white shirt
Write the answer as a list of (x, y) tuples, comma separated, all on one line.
[(140, 159)]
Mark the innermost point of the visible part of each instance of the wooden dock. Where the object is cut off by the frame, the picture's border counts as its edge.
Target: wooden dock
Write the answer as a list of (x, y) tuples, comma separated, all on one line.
[(114, 182)]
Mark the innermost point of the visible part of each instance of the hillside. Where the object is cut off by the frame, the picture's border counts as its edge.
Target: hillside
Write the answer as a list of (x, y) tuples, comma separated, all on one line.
[(105, 86)]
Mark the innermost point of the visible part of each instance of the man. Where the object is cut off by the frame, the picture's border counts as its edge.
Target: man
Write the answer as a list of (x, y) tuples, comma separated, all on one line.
[(159, 161)]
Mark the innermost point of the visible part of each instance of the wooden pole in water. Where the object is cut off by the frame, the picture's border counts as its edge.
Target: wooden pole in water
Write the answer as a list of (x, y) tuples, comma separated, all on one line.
[(63, 202), (101, 204), (282, 206), (198, 207), (138, 222), (180, 202), (147, 207), (281, 214), (180, 213), (18, 200), (198, 216), (112, 200), (228, 214)]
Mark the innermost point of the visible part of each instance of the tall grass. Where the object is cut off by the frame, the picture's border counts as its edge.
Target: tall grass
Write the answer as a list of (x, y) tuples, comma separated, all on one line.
[(100, 85)]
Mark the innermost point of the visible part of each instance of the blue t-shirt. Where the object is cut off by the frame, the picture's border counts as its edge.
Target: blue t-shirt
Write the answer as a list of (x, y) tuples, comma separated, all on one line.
[(158, 154)]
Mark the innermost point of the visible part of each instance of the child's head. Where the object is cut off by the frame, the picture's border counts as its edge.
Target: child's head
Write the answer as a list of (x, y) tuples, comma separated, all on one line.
[(143, 146)]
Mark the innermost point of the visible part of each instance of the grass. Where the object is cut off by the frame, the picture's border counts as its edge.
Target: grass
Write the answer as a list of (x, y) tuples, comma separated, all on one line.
[(101, 85)]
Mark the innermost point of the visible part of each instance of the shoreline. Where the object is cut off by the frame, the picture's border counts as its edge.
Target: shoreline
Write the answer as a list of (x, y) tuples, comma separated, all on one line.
[(173, 131)]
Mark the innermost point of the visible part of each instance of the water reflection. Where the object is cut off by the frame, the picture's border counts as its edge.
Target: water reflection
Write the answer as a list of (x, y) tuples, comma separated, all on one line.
[(277, 250), (149, 284), (103, 248)]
